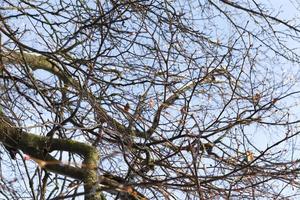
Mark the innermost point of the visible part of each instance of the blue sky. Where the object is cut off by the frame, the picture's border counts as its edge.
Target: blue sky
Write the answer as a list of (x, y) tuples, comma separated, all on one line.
[(255, 132)]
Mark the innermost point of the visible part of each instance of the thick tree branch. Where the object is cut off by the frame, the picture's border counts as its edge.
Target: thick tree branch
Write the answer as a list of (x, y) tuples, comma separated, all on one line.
[(35, 62), (39, 147)]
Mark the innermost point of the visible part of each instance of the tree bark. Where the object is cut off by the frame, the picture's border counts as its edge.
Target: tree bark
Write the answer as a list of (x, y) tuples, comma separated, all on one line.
[(39, 148)]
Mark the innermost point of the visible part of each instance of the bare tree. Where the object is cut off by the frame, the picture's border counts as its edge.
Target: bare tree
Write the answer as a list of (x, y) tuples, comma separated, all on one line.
[(145, 99)]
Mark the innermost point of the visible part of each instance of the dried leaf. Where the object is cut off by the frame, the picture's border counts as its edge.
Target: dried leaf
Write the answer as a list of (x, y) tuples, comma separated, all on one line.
[(256, 98), (127, 107), (249, 156), (151, 103)]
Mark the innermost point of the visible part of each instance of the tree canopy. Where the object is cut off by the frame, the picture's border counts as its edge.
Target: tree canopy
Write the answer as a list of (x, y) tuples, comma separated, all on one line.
[(149, 99)]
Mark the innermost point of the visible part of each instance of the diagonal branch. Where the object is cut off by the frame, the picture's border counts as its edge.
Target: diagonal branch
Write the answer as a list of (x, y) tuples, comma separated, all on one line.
[(170, 101), (39, 147)]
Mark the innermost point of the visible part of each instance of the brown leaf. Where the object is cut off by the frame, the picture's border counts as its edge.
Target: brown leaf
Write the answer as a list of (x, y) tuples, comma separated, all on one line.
[(256, 98), (249, 156), (151, 103), (127, 107)]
